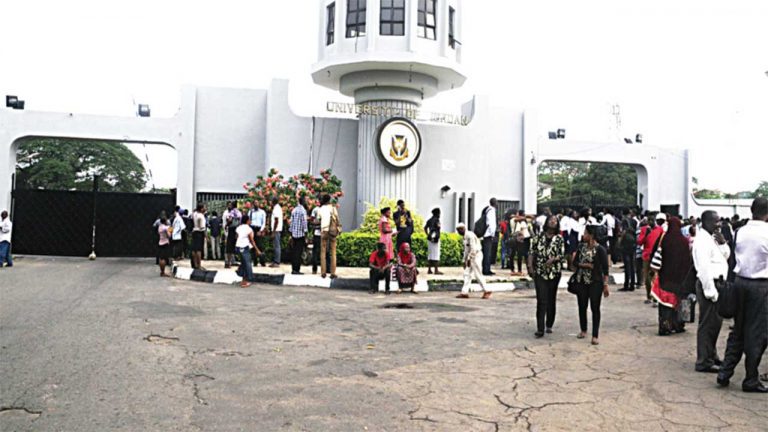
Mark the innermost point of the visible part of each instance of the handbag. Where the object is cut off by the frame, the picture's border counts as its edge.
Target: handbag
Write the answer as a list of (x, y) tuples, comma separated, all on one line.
[(334, 227), (727, 299), (656, 260), (574, 287), (687, 309)]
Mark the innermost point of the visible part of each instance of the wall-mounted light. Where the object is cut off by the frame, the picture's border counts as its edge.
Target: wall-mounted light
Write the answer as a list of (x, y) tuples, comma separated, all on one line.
[(14, 102), (143, 110), (561, 133), (628, 140), (553, 135), (639, 138), (444, 190)]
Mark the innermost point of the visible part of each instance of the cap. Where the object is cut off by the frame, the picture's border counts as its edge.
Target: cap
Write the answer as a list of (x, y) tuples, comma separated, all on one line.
[(461, 225)]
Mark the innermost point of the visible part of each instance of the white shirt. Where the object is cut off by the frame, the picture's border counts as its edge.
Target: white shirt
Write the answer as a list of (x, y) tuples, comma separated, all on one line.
[(472, 246), (610, 223), (711, 262), (324, 214), (752, 250), (316, 217), (277, 213), (199, 221), (540, 221), (258, 219), (5, 230), (490, 222), (566, 224), (178, 227), (243, 233)]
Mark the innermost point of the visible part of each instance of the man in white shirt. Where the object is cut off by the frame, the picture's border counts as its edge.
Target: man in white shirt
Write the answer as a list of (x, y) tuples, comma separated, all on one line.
[(710, 257), (610, 224), (198, 236), (277, 230), (326, 213), (178, 228), (6, 228), (473, 259), (542, 219), (258, 224), (749, 334), (490, 233)]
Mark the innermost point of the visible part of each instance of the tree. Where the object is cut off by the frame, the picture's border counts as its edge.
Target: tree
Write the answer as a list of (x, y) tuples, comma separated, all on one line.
[(70, 164), (762, 190), (608, 183)]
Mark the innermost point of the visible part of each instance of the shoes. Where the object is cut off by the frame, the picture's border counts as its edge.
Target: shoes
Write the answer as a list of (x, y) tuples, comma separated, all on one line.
[(245, 284), (463, 296), (296, 273), (439, 273), (539, 334), (595, 341), (429, 271), (711, 369), (648, 301), (273, 265), (314, 272), (489, 274), (723, 382), (323, 275), (764, 377), (757, 389), (549, 330), (581, 335), (625, 289), (333, 276), (718, 362), (486, 295)]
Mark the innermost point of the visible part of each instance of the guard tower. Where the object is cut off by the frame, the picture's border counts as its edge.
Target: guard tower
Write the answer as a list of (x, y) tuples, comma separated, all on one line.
[(389, 55)]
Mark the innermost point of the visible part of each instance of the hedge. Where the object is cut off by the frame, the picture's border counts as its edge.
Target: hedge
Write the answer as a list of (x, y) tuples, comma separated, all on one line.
[(353, 249)]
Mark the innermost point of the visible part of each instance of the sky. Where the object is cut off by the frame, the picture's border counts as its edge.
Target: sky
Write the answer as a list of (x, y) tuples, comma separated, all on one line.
[(686, 73)]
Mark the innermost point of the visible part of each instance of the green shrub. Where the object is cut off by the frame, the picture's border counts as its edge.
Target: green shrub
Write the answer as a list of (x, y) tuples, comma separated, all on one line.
[(373, 214), (353, 249)]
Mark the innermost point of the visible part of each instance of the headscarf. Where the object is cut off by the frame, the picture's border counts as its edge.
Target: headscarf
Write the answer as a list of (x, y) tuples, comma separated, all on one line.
[(676, 258), (405, 257)]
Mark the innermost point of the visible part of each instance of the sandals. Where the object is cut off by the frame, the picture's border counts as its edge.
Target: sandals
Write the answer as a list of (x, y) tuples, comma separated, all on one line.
[(581, 335)]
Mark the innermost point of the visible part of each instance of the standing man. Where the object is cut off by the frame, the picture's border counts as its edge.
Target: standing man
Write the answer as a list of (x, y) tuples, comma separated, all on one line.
[(215, 224), (6, 228), (404, 224), (314, 222), (198, 236), (610, 224), (259, 226), (472, 261), (329, 230), (177, 238), (298, 235), (490, 233), (749, 334), (232, 221), (648, 239), (277, 230), (710, 257)]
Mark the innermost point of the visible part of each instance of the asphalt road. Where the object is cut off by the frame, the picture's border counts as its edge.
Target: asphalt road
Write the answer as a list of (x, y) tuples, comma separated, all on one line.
[(108, 345)]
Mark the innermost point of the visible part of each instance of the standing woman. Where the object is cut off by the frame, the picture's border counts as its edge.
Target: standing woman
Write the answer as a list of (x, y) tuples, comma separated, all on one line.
[(676, 262), (385, 232), (432, 229), (591, 265), (406, 268), (164, 252), (545, 263), (243, 242)]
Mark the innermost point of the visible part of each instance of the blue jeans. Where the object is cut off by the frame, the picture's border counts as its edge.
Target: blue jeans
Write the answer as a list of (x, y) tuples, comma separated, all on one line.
[(5, 254), (276, 245), (246, 266)]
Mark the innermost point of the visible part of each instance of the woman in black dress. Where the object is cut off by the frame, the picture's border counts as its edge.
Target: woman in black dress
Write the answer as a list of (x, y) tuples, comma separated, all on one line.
[(590, 262)]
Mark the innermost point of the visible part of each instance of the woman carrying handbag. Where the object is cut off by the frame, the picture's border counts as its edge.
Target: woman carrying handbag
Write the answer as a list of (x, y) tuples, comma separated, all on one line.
[(590, 263)]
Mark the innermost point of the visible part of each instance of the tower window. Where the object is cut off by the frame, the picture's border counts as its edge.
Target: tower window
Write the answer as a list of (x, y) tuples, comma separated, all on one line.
[(356, 18), (331, 24), (452, 27), (392, 18), (427, 19)]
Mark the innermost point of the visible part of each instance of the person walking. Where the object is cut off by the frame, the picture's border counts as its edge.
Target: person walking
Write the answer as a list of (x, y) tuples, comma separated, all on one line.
[(330, 228), (198, 236), (298, 230), (6, 230), (591, 266), (406, 268), (233, 220), (214, 222), (490, 232), (545, 263), (380, 268), (244, 241), (667, 290), (403, 224), (258, 218), (277, 230), (648, 239), (628, 246), (163, 245), (385, 232), (432, 229), (710, 256), (472, 262), (749, 335)]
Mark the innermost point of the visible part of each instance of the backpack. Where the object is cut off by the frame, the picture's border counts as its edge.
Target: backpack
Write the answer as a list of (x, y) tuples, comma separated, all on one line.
[(480, 225), (602, 234), (334, 227)]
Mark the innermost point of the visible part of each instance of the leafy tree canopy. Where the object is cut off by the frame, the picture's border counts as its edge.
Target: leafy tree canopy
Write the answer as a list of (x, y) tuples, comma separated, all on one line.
[(762, 190), (70, 164), (607, 183)]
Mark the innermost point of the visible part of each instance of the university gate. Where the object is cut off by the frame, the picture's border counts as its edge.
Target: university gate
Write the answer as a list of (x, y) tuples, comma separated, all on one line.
[(74, 223)]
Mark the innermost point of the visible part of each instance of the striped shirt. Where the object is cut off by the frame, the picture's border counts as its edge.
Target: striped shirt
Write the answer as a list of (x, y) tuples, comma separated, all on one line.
[(299, 222)]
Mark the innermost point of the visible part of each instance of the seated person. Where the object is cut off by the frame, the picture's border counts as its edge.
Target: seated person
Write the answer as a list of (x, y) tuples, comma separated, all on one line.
[(380, 268), (406, 268)]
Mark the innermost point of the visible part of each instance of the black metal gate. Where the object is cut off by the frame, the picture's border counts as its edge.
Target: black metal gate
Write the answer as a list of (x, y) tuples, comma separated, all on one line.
[(62, 223)]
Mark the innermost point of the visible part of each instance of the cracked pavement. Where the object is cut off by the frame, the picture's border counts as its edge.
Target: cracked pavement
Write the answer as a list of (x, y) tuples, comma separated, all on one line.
[(107, 345)]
